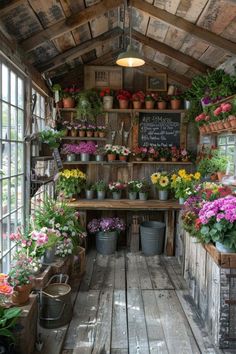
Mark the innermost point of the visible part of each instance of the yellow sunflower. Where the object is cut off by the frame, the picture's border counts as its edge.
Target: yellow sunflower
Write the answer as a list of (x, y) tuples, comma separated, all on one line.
[(197, 175), (164, 181)]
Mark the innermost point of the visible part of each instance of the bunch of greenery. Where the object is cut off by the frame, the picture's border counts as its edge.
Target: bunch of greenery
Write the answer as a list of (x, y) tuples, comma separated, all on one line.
[(51, 137), (8, 320), (89, 104), (100, 185), (217, 163)]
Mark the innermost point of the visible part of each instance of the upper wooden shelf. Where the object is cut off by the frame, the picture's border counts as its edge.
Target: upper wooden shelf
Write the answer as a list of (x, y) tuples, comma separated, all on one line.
[(125, 204), (125, 163), (162, 163), (130, 110), (80, 138), (230, 130)]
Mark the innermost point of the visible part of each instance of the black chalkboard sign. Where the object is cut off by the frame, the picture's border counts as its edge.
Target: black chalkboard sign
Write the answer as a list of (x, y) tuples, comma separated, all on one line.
[(57, 159), (159, 129)]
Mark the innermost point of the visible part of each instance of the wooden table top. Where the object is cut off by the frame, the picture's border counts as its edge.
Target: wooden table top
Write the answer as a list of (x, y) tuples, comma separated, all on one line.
[(125, 204)]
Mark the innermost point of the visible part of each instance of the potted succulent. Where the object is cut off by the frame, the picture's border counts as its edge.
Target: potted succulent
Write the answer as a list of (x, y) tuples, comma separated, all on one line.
[(106, 230), (116, 189), (150, 100), (175, 102), (85, 149), (162, 182), (161, 103), (123, 153), (70, 182), (107, 96), (123, 96), (138, 99), (89, 190), (101, 188), (143, 189), (133, 189)]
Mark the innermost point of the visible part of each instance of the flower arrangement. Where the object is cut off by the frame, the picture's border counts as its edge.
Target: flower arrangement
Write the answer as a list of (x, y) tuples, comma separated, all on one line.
[(116, 186), (70, 92), (140, 151), (112, 149), (152, 153), (21, 270), (217, 221), (174, 153), (164, 153), (183, 183), (143, 186), (64, 248), (124, 151), (138, 96), (106, 225), (70, 149), (184, 155), (133, 186), (151, 96), (88, 147), (161, 180), (70, 182), (123, 95), (106, 92), (51, 137)]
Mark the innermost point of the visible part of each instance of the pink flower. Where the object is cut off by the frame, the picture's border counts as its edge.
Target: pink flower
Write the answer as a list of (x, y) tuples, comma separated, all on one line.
[(217, 111), (226, 107)]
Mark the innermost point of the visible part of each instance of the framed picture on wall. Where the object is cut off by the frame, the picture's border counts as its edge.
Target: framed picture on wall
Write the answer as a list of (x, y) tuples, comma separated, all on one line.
[(157, 82)]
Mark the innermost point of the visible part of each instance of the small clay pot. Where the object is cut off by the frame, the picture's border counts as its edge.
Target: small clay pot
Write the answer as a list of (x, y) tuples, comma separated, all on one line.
[(149, 104), (161, 104), (124, 104), (68, 102), (175, 104), (137, 104)]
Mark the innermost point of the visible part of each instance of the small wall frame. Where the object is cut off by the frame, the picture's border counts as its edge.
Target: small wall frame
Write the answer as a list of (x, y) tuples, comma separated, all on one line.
[(157, 82)]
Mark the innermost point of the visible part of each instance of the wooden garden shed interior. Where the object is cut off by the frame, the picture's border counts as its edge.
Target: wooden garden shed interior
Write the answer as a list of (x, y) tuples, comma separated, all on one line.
[(179, 300)]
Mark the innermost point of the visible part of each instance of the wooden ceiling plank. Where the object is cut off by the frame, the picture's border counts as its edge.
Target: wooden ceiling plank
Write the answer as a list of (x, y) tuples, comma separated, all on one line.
[(171, 52), (69, 24), (79, 50), (6, 8), (186, 26), (105, 58)]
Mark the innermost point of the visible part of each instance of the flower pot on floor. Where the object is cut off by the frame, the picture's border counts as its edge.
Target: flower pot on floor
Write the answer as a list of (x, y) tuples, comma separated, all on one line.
[(106, 242), (152, 237)]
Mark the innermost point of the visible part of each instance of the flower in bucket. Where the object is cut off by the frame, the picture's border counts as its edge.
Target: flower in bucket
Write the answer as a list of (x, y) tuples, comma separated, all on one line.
[(106, 92), (70, 149), (161, 180), (106, 225), (143, 186), (217, 221), (86, 147), (70, 182), (183, 183), (116, 186), (64, 248), (134, 186)]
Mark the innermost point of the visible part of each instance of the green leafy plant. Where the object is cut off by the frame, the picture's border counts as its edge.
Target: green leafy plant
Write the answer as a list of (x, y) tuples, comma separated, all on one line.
[(89, 104), (8, 320), (100, 185), (51, 137), (89, 187)]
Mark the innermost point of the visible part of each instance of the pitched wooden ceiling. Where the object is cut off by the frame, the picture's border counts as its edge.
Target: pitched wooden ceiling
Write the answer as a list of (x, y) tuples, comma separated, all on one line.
[(180, 37)]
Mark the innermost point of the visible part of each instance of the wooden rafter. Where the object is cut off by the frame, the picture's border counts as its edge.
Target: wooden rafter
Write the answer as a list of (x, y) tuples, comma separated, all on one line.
[(69, 24), (157, 68), (171, 52), (11, 5), (106, 58), (185, 25), (79, 50)]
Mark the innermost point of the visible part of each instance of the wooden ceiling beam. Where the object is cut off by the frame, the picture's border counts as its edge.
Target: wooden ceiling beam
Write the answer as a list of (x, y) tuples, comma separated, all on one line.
[(171, 52), (10, 5), (105, 58), (79, 50), (69, 24), (185, 25), (158, 68)]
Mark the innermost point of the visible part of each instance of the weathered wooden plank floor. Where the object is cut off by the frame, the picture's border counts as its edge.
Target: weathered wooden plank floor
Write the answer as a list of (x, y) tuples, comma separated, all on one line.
[(129, 303)]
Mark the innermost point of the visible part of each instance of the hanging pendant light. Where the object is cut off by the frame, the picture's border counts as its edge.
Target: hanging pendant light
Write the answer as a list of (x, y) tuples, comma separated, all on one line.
[(131, 58)]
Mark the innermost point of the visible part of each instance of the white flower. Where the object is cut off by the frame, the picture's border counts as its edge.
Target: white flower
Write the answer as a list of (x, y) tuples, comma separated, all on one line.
[(58, 225)]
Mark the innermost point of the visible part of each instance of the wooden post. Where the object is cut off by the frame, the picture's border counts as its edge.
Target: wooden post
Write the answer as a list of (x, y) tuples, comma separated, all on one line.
[(170, 232)]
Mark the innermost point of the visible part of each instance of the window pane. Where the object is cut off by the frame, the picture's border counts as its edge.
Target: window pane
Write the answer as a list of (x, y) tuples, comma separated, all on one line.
[(5, 209), (13, 158), (5, 234), (5, 121), (5, 159), (13, 88), (20, 94), (20, 190), (5, 83), (20, 125), (20, 152), (13, 193), (13, 123)]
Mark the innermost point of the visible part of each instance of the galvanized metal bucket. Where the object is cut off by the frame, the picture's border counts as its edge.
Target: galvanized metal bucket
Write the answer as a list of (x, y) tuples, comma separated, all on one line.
[(55, 303), (106, 242), (152, 237)]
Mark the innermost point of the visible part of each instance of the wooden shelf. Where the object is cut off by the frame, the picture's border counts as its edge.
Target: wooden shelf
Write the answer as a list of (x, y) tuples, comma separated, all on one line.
[(42, 181), (42, 158), (130, 110), (85, 138), (124, 204), (113, 163), (162, 163)]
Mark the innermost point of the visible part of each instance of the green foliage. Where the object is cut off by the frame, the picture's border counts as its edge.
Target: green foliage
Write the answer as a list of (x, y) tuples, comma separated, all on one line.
[(89, 104), (217, 163), (100, 186), (51, 137), (8, 319)]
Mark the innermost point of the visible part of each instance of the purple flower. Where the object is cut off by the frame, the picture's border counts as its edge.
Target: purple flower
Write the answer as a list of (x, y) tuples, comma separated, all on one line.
[(106, 225)]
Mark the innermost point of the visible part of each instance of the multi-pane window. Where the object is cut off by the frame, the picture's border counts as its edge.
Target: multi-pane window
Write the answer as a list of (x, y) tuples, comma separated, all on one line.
[(227, 145), (12, 174), (38, 123)]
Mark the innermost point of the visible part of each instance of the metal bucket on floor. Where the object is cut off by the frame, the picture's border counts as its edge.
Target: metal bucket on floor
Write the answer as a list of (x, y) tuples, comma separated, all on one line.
[(55, 303), (152, 237)]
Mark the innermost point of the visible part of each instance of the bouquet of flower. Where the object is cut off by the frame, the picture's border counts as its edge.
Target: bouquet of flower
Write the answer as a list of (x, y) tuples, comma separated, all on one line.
[(112, 149), (70, 182), (124, 151), (184, 183), (21, 270), (161, 180), (143, 186), (140, 151), (51, 137), (88, 147), (152, 153), (106, 92), (133, 186), (217, 221), (116, 186), (106, 225), (138, 96), (123, 95)]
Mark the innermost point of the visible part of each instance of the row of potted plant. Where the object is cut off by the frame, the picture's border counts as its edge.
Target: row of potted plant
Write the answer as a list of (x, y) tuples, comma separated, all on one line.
[(162, 154), (209, 215), (217, 118), (211, 163), (54, 229), (84, 129)]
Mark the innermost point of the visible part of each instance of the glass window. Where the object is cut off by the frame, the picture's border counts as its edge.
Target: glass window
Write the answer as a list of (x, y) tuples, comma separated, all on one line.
[(227, 145), (11, 158)]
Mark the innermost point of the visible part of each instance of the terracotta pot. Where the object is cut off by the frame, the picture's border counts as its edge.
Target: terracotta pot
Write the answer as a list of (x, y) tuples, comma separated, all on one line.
[(124, 104), (226, 124), (73, 132), (122, 158), (174, 159), (220, 125), (149, 104), (81, 133), (111, 157), (89, 133), (68, 102), (96, 134), (208, 128), (202, 129), (102, 134), (214, 125), (175, 104), (220, 175), (163, 159), (137, 104), (232, 120), (21, 294), (161, 104)]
